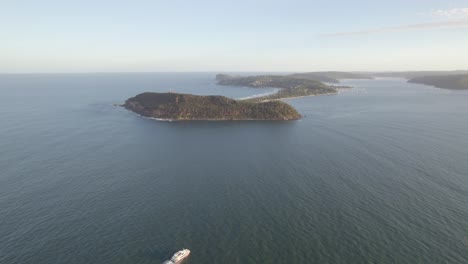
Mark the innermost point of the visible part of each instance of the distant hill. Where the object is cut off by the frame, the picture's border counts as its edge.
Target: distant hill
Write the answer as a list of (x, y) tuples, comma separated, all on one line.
[(453, 82), (173, 106)]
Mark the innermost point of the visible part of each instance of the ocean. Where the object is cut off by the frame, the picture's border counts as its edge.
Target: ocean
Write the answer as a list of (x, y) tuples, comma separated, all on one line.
[(374, 174)]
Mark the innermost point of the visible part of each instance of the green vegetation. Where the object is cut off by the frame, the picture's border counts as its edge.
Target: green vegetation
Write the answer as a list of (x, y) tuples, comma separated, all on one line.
[(175, 106), (454, 82), (329, 77), (289, 86)]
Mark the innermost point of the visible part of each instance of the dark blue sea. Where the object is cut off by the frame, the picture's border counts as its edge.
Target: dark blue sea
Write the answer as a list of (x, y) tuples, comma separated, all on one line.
[(375, 174)]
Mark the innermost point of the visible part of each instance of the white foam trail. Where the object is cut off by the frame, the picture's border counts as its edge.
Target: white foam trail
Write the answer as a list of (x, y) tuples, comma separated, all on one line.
[(158, 119), (257, 95)]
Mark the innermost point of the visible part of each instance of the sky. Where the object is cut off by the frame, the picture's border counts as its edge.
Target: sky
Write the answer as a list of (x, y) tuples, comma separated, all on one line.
[(216, 35)]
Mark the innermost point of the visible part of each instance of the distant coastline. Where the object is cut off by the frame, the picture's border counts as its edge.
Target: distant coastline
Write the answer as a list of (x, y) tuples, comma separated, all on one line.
[(185, 107), (289, 86), (451, 82)]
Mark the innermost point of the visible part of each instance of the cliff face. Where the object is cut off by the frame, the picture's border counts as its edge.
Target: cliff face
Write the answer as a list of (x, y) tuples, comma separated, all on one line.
[(175, 106)]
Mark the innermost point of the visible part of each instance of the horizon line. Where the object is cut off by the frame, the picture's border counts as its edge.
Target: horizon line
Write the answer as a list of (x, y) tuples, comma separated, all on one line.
[(236, 71)]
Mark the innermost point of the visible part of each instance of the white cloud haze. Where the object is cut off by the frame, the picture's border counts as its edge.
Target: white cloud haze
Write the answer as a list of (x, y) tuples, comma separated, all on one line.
[(423, 26), (452, 13)]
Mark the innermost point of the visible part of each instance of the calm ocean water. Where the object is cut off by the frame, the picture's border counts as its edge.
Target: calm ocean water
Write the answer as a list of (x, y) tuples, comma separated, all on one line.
[(376, 174)]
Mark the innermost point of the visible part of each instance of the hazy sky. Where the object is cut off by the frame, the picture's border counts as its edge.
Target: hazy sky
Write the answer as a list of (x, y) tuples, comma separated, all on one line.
[(241, 35)]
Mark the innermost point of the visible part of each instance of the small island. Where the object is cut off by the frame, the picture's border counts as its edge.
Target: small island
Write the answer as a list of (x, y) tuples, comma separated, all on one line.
[(290, 86), (178, 107), (452, 82)]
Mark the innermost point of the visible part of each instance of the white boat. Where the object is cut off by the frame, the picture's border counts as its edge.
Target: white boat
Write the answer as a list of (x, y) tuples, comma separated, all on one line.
[(180, 255)]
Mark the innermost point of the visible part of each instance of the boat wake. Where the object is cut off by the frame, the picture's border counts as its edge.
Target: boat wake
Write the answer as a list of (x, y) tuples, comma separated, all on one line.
[(258, 95)]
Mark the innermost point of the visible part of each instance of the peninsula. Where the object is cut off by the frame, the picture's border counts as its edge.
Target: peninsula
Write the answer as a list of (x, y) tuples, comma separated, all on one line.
[(290, 86), (174, 107), (452, 82), (330, 76)]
